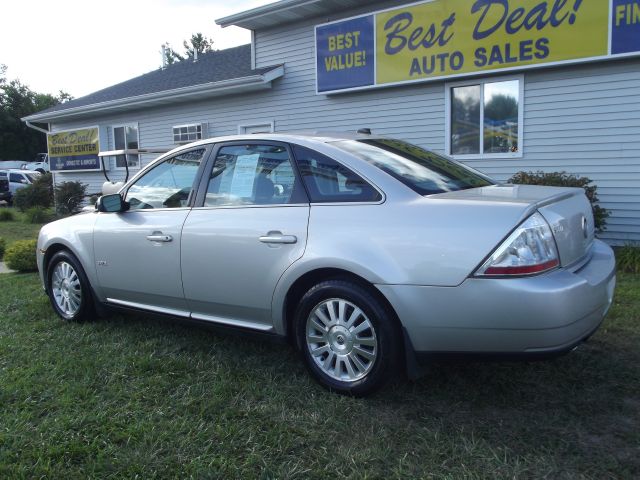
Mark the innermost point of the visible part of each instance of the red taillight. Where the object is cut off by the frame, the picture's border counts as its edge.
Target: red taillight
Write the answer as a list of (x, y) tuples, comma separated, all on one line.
[(522, 270), (529, 250)]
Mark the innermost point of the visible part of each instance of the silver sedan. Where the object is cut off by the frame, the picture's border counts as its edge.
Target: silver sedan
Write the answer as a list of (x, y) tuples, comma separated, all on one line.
[(367, 253)]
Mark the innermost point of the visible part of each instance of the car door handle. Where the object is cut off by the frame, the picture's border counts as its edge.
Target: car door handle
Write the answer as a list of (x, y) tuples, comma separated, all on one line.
[(278, 238), (157, 237)]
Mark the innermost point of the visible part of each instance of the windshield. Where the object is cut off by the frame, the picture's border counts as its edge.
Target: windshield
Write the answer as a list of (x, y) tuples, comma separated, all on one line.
[(425, 172)]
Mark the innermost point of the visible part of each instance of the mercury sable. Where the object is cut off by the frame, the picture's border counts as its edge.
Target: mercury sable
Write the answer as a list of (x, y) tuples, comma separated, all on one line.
[(367, 253)]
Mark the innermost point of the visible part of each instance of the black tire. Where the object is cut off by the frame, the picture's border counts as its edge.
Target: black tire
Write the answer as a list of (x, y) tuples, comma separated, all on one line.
[(383, 331), (85, 310)]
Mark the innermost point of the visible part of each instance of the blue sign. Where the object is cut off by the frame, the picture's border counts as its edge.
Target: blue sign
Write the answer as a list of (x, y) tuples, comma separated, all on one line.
[(625, 31), (345, 54), (82, 162)]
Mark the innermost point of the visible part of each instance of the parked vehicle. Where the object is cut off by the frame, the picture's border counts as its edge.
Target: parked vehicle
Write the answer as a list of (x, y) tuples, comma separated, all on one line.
[(8, 164), (18, 178), (367, 253), (5, 192), (41, 164)]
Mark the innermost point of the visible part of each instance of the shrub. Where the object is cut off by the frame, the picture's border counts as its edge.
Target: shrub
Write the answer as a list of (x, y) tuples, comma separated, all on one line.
[(6, 216), (37, 215), (3, 246), (21, 256), (38, 194), (564, 179), (628, 258), (69, 197)]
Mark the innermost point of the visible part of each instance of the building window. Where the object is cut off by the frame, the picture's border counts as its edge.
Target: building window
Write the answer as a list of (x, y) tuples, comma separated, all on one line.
[(253, 128), (484, 118), (125, 137), (189, 133)]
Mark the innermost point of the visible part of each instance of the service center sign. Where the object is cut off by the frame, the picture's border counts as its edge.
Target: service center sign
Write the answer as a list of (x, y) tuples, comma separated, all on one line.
[(445, 38), (74, 150)]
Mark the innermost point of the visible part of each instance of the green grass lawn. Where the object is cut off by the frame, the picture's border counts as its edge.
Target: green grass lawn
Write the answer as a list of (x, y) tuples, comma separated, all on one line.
[(18, 229), (132, 396)]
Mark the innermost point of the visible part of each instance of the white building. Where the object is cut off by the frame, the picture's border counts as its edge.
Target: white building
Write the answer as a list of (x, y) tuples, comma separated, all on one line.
[(550, 86)]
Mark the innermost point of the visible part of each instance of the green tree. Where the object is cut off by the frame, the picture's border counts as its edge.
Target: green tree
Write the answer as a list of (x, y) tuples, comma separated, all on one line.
[(17, 141), (197, 43), (501, 107), (170, 55)]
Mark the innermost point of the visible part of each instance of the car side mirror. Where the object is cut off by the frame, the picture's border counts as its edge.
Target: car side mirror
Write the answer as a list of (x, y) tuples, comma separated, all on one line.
[(111, 204)]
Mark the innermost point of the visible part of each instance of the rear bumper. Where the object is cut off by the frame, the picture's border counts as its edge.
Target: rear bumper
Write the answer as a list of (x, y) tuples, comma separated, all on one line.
[(536, 316)]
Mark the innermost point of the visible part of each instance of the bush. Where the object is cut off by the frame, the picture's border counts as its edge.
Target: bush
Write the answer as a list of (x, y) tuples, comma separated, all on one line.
[(69, 197), (38, 194), (6, 216), (564, 179), (37, 215), (21, 256), (628, 258), (3, 246)]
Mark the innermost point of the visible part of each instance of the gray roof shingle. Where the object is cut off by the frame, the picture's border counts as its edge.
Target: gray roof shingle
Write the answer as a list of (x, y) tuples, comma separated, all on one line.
[(211, 67)]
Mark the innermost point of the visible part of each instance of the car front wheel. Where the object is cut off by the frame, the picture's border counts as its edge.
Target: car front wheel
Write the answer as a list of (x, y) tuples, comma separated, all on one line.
[(68, 287), (348, 339)]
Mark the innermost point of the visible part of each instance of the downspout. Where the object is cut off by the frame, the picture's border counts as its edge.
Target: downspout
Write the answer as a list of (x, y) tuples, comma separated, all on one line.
[(31, 125)]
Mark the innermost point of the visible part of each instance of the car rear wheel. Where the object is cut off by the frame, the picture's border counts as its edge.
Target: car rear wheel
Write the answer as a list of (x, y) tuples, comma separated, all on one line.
[(348, 339), (68, 287)]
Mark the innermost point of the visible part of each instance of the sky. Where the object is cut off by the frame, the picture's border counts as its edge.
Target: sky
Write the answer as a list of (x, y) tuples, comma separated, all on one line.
[(83, 46)]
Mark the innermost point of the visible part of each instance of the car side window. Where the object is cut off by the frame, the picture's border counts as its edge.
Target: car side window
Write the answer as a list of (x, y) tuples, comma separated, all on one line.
[(328, 181), (253, 175), (17, 178), (167, 185)]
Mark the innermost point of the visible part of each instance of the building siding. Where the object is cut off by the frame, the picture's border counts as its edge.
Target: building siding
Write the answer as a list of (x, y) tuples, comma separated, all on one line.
[(581, 119)]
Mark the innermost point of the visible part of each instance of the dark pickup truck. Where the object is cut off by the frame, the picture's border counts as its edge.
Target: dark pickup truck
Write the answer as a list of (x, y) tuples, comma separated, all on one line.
[(5, 193)]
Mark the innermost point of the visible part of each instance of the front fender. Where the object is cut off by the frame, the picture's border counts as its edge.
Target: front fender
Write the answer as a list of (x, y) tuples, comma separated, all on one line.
[(74, 234)]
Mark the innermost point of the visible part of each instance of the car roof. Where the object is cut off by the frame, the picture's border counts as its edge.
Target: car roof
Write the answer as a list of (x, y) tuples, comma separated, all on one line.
[(17, 170), (318, 137)]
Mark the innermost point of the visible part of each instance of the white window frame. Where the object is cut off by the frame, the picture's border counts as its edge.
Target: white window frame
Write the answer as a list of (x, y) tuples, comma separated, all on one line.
[(482, 81), (242, 128), (128, 152), (203, 132)]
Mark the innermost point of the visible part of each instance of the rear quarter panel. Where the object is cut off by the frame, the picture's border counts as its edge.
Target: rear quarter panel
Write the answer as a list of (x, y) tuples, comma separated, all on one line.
[(417, 242)]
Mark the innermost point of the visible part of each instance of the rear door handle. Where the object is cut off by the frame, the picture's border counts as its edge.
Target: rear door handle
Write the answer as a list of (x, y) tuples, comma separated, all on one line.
[(159, 237), (278, 238)]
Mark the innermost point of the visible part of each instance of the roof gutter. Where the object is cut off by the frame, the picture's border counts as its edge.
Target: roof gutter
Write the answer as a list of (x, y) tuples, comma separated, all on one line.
[(253, 82), (258, 12), (31, 125)]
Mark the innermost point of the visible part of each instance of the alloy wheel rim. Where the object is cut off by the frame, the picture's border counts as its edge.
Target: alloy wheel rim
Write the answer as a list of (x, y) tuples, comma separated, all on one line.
[(67, 292), (341, 340)]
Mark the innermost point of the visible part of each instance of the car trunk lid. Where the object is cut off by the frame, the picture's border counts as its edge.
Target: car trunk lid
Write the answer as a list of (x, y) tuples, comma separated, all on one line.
[(567, 210)]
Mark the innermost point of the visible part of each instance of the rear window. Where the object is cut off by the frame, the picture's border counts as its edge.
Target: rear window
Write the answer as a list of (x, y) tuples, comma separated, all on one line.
[(425, 172), (328, 181)]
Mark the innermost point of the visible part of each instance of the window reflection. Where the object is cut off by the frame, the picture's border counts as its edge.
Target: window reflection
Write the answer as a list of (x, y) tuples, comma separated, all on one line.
[(465, 120), (501, 117)]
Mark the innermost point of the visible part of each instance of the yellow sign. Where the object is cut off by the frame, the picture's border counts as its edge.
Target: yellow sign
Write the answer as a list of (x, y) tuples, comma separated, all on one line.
[(452, 37), (74, 149)]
